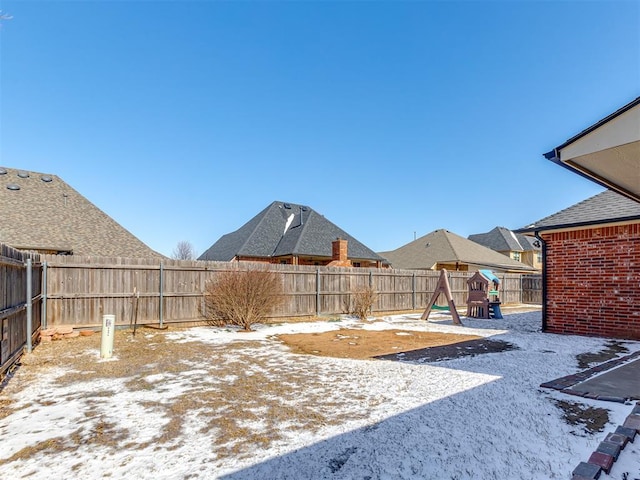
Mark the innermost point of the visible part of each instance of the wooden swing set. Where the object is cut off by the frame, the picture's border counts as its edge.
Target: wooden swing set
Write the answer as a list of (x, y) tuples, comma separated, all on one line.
[(442, 288)]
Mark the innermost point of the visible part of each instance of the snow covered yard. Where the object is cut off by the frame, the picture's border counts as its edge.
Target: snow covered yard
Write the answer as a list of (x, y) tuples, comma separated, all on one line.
[(205, 403)]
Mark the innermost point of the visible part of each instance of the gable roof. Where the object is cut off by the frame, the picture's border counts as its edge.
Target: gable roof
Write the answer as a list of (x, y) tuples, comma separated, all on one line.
[(41, 212), (531, 242), (605, 207), (284, 229), (502, 239), (443, 246)]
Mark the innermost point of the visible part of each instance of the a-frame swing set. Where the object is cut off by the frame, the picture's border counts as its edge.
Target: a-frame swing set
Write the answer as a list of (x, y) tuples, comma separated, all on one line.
[(442, 288)]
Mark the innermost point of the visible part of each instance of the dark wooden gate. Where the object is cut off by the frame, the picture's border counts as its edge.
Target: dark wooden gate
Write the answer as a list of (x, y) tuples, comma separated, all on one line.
[(20, 304)]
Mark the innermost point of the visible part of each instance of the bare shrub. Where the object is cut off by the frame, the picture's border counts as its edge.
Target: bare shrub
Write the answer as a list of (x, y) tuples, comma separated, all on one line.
[(363, 299), (242, 297)]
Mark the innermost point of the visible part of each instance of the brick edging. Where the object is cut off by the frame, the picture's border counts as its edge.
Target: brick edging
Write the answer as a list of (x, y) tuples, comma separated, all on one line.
[(603, 458), (605, 455)]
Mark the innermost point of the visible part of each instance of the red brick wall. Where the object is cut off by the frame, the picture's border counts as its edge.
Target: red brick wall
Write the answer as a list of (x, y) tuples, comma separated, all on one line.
[(593, 281), (339, 249)]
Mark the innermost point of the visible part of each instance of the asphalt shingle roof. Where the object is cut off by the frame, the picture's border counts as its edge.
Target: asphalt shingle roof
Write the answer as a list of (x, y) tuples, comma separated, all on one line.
[(41, 212), (502, 239), (606, 207), (443, 246), (286, 229)]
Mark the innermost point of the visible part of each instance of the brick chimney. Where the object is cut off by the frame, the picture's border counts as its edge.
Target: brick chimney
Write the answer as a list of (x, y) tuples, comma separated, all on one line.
[(339, 253)]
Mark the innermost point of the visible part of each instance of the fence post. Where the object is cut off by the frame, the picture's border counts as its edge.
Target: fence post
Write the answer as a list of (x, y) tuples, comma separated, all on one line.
[(521, 286), (413, 290), (29, 305), (371, 289), (161, 291), (317, 291), (43, 309)]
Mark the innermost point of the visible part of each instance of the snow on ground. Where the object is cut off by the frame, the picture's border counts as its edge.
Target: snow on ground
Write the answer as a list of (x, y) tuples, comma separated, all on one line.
[(481, 417)]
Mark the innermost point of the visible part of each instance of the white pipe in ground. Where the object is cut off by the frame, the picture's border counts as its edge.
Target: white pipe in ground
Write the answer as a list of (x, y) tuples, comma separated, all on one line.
[(106, 342)]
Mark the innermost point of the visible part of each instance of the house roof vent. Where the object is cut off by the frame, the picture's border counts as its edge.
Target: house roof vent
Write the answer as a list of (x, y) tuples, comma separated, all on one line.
[(286, 205), (46, 178), (23, 174), (13, 186), (3, 171)]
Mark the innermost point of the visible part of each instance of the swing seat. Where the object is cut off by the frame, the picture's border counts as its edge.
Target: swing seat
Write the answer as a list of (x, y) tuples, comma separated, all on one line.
[(440, 307)]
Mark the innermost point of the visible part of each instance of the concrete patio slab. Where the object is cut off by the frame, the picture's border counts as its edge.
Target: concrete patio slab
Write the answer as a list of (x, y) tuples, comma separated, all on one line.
[(621, 382)]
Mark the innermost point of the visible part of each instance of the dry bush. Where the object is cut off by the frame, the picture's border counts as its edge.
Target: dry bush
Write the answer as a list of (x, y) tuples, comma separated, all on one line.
[(242, 297), (363, 299)]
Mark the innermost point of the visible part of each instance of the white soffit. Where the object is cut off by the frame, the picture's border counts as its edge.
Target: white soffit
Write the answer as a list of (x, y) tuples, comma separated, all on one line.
[(610, 153)]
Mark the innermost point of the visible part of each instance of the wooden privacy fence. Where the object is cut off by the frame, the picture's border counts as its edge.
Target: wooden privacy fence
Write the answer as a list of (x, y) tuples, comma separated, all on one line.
[(20, 304), (79, 290), (532, 289)]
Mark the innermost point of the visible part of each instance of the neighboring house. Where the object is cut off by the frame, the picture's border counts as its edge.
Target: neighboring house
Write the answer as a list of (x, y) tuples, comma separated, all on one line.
[(292, 234), (523, 248), (444, 249), (591, 275), (41, 213)]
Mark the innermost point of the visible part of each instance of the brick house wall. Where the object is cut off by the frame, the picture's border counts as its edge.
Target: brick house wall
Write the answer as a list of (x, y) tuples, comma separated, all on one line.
[(308, 261), (593, 281)]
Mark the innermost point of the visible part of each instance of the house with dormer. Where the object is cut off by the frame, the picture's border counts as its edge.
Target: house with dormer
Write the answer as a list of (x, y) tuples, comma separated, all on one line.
[(288, 233), (519, 247), (444, 249)]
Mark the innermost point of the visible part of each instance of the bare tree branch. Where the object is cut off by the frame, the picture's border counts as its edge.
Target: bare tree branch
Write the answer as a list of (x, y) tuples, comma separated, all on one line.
[(184, 251)]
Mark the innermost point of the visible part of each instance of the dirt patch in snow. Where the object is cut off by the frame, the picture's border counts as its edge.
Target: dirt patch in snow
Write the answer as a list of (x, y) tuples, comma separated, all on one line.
[(612, 350), (589, 419), (361, 344)]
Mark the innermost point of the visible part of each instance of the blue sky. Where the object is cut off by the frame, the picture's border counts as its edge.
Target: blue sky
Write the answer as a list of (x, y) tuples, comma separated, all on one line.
[(184, 119)]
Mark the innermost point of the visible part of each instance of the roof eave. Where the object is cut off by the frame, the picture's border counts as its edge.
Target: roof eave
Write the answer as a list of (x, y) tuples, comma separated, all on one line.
[(502, 266), (597, 125), (554, 155), (564, 226), (34, 248), (511, 268)]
